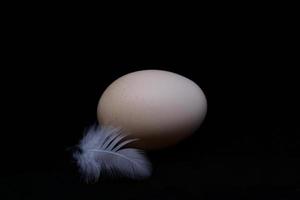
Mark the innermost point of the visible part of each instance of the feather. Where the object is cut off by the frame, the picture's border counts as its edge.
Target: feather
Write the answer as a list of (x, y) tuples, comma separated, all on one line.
[(103, 150)]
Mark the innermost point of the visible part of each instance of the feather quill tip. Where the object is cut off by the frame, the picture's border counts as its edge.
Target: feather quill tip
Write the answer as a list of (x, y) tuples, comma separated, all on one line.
[(103, 151)]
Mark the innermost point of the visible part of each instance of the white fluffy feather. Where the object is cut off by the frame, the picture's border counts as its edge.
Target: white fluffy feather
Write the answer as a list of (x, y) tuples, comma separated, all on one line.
[(102, 150)]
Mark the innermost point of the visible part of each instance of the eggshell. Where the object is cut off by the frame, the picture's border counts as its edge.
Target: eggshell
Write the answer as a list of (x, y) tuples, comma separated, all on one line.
[(158, 107)]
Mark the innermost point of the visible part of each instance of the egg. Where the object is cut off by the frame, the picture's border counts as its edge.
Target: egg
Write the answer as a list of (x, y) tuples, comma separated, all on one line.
[(158, 107)]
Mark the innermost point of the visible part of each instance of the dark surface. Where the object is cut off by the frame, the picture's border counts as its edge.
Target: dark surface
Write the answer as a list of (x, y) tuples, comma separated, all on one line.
[(248, 146)]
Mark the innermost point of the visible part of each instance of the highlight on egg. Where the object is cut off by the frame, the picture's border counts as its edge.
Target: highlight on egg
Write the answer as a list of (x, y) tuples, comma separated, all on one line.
[(151, 109)]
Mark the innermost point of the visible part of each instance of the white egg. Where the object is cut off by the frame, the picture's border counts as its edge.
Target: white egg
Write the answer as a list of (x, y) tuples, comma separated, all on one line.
[(158, 107)]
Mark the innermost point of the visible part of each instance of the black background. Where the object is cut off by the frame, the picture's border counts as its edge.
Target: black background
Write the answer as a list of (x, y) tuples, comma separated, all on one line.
[(55, 71)]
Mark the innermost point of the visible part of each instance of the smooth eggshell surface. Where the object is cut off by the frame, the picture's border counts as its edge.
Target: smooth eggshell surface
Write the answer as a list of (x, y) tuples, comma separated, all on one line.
[(158, 107)]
